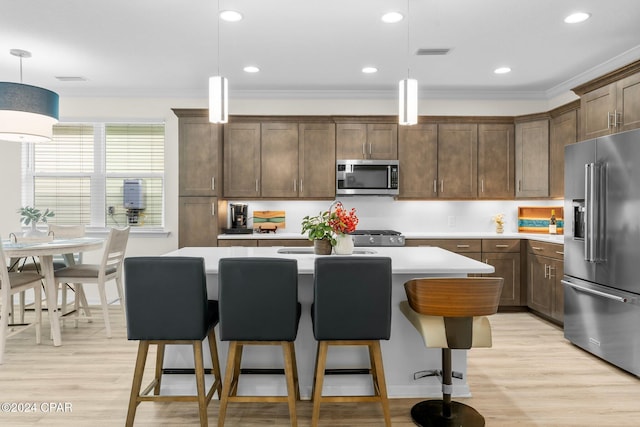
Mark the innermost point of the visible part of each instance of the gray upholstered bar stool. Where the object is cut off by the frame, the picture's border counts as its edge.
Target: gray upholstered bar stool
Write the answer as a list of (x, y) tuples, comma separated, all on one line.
[(167, 304), (352, 307), (258, 306), (450, 313)]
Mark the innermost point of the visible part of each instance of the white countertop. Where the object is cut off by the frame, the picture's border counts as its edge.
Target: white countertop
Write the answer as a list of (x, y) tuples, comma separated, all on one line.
[(413, 235), (404, 260)]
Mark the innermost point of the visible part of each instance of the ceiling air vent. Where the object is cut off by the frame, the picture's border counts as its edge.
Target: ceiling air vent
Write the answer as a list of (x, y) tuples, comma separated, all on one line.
[(432, 52)]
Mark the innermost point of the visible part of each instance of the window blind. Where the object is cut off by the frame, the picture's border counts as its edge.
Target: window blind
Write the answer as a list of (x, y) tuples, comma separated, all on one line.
[(80, 173)]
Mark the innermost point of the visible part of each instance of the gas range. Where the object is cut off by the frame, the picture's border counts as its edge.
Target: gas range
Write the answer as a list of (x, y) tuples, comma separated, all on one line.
[(377, 238)]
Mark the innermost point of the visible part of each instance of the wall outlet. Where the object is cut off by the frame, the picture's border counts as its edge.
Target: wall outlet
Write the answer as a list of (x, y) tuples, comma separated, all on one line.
[(451, 221), (111, 210)]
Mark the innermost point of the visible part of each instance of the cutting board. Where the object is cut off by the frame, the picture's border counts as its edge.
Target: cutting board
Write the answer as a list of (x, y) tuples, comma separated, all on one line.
[(276, 218)]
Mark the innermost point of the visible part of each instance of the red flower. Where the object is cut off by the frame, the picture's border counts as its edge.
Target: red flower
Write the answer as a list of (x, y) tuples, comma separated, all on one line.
[(343, 221)]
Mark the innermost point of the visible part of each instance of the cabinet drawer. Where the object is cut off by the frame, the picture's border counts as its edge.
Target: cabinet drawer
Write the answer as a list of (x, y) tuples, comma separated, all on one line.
[(453, 245), (237, 242), (284, 242), (552, 250), (500, 245)]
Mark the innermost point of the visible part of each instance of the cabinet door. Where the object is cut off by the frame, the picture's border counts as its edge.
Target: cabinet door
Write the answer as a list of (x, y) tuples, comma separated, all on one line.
[(532, 159), (507, 266), (418, 155), (382, 141), (317, 160), (556, 273), (539, 286), (279, 160), (457, 161), (199, 156), (597, 107), (351, 139), (242, 160), (564, 131), (628, 100), (496, 160), (198, 222)]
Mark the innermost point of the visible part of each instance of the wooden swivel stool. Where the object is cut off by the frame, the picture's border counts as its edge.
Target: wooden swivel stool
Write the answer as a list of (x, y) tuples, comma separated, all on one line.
[(450, 313)]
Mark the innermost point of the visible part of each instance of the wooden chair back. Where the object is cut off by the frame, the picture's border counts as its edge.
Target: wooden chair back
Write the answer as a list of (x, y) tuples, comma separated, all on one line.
[(454, 297), (115, 249)]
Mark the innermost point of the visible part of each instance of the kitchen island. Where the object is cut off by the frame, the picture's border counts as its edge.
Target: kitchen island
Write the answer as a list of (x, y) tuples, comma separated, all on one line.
[(404, 354)]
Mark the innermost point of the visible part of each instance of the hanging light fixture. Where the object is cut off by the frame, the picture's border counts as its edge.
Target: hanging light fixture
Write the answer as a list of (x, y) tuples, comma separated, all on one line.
[(408, 92), (27, 113), (218, 90)]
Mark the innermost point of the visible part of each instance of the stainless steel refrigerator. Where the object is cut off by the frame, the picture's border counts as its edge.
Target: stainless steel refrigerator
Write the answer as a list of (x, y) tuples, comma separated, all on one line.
[(602, 248)]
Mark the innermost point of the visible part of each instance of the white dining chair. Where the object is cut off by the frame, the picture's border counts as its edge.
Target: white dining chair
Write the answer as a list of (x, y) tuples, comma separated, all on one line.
[(109, 269), (12, 283), (70, 232)]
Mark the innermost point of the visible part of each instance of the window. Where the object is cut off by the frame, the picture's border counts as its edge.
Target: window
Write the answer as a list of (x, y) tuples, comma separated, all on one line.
[(80, 174)]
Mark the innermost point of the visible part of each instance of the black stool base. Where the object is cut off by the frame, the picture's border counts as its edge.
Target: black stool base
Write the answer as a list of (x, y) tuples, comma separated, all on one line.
[(429, 414)]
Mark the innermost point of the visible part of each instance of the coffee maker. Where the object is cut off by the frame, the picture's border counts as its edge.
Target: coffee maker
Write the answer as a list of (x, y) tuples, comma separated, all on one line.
[(239, 213)]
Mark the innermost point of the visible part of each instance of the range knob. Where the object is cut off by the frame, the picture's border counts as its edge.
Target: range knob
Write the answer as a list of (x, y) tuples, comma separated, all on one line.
[(371, 239), (392, 240)]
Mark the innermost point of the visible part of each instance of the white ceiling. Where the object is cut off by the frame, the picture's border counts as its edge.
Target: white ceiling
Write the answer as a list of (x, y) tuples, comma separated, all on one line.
[(169, 47)]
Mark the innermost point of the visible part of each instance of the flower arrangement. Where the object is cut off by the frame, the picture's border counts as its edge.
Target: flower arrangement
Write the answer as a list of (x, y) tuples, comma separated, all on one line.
[(326, 225), (499, 220), (343, 221)]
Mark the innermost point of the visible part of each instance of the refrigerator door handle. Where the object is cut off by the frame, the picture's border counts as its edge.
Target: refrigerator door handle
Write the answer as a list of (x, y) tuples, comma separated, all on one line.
[(592, 202), (594, 292)]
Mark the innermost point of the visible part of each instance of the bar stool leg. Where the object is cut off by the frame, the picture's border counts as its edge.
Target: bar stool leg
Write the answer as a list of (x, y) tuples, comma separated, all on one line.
[(321, 361), (292, 383), (375, 354)]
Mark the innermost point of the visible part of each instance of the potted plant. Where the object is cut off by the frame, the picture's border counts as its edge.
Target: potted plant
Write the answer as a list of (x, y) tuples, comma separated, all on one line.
[(318, 229), (32, 216)]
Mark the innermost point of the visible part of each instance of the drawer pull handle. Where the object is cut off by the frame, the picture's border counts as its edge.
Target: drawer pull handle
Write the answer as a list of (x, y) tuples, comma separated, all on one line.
[(462, 246), (536, 248), (502, 246), (560, 252)]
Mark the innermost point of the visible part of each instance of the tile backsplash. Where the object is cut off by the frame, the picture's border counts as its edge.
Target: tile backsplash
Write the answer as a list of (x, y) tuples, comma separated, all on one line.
[(405, 216)]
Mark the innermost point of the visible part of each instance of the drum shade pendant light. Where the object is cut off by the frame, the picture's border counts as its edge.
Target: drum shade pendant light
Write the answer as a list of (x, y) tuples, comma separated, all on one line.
[(27, 113), (218, 90), (408, 92)]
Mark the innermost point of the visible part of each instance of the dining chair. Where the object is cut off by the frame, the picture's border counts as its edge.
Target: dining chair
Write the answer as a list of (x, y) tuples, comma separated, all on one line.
[(70, 232), (12, 283), (109, 269), (55, 232)]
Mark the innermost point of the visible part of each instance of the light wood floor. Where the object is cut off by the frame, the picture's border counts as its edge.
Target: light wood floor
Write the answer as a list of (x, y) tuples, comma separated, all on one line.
[(531, 377)]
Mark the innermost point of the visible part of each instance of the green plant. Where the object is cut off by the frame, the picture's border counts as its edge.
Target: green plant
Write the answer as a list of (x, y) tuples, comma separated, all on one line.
[(33, 215), (319, 227)]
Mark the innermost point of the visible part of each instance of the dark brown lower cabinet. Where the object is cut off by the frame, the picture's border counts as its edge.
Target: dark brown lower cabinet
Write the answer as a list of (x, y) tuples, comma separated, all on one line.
[(545, 269)]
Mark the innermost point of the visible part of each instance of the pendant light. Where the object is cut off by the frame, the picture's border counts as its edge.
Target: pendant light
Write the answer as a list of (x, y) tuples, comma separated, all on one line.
[(218, 90), (408, 92), (27, 113)]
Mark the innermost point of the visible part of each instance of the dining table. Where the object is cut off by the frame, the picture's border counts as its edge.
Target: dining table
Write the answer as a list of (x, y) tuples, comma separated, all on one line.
[(45, 251)]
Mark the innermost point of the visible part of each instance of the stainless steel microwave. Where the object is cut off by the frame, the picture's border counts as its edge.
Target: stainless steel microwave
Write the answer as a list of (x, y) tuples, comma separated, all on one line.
[(374, 177)]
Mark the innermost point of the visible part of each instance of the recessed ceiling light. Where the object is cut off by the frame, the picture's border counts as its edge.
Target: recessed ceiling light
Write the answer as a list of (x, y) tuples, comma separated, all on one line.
[(392, 17), (230, 16), (369, 70), (574, 18), (251, 69), (502, 70)]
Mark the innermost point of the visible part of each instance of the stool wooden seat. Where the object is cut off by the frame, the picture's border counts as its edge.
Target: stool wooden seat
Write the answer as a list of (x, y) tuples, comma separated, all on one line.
[(352, 307), (258, 306), (450, 313)]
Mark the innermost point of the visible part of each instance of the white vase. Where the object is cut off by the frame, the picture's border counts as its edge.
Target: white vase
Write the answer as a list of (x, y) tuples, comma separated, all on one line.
[(344, 244), (34, 232)]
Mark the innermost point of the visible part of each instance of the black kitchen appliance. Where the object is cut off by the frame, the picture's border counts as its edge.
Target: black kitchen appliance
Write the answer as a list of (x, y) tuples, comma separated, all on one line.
[(239, 213)]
